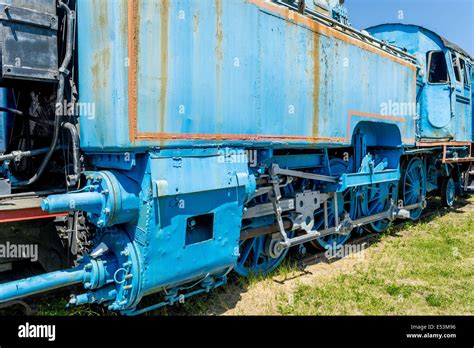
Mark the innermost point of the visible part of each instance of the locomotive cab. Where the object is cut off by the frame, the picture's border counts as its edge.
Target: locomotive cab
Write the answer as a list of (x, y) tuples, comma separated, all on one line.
[(444, 95)]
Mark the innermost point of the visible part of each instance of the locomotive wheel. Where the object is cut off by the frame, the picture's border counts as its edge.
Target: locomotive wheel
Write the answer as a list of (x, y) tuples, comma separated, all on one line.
[(347, 201), (448, 192), (414, 186), (378, 200), (255, 257), (332, 240)]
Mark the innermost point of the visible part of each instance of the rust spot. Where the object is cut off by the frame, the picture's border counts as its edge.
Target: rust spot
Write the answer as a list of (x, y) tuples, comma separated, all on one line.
[(101, 13), (219, 57), (101, 55), (196, 23), (316, 84), (219, 32), (133, 43), (100, 69), (164, 31)]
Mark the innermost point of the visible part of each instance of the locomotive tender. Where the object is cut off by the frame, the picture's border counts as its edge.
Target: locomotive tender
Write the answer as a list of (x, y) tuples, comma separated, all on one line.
[(157, 145)]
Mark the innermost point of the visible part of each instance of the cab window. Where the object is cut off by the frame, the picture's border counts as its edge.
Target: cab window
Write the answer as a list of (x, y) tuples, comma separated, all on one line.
[(464, 71), (457, 72), (437, 67)]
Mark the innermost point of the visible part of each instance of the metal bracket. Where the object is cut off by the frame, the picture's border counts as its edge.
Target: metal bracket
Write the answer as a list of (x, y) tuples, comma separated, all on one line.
[(347, 224), (276, 170), (24, 15)]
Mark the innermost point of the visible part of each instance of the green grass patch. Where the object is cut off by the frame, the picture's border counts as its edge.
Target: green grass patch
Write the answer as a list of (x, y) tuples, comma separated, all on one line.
[(424, 269)]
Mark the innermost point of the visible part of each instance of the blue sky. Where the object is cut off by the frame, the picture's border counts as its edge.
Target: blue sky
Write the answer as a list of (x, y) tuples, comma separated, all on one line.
[(453, 19)]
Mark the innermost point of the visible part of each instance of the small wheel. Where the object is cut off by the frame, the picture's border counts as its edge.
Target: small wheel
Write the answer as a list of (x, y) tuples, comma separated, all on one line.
[(413, 186), (448, 192)]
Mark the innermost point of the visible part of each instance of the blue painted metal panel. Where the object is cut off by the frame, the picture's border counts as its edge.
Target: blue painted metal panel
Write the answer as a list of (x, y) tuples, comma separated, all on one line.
[(181, 230), (226, 71), (442, 116)]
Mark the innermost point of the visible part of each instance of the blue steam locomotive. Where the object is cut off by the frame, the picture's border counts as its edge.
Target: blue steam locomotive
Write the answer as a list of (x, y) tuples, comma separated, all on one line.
[(154, 146)]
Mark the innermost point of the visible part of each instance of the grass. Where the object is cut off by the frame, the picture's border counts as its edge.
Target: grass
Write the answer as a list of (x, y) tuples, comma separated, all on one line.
[(424, 269)]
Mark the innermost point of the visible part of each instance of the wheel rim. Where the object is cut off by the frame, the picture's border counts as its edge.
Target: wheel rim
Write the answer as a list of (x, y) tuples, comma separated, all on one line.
[(450, 192), (254, 258), (414, 186), (347, 201), (378, 200), (333, 240)]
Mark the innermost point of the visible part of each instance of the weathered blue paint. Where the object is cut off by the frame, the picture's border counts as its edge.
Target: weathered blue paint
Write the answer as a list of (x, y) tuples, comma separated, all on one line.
[(226, 71), (445, 109), (171, 222)]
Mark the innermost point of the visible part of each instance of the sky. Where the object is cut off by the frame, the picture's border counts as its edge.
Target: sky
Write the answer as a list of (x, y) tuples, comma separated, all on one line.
[(453, 19)]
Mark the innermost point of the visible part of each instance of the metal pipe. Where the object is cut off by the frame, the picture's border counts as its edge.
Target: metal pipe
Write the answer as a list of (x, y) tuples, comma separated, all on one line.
[(45, 282), (63, 72), (75, 152), (82, 201), (264, 230), (29, 117), (10, 110), (21, 154), (17, 155)]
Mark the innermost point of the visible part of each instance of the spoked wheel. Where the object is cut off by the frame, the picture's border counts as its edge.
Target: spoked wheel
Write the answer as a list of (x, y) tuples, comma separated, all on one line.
[(378, 199), (448, 192), (255, 256), (414, 186), (344, 203)]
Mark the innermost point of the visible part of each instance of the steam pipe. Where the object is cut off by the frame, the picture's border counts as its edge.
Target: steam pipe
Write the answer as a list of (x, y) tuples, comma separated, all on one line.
[(75, 152), (101, 271), (83, 201), (20, 113), (38, 284), (21, 154), (60, 93)]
